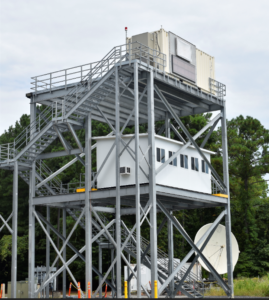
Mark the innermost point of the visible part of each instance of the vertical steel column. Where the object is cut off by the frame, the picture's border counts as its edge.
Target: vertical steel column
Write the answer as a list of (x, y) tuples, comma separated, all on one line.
[(112, 272), (137, 185), (15, 231), (152, 182), (228, 207), (128, 274), (64, 253), (167, 125), (31, 238), (31, 250), (88, 215), (117, 167), (47, 251), (100, 269), (171, 254)]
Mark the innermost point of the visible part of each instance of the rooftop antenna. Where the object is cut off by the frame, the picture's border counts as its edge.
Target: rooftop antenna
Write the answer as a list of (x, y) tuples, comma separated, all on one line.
[(126, 29)]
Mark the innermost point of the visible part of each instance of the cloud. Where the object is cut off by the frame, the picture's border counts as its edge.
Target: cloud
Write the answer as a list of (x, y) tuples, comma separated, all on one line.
[(38, 37)]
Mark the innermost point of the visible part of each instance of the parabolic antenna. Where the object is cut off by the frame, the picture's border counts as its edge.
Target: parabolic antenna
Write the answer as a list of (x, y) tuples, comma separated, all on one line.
[(215, 250)]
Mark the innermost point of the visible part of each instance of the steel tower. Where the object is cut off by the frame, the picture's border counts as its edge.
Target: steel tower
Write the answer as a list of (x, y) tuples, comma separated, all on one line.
[(127, 87)]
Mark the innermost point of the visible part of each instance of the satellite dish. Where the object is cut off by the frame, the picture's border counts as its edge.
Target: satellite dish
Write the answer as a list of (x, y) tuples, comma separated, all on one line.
[(215, 250)]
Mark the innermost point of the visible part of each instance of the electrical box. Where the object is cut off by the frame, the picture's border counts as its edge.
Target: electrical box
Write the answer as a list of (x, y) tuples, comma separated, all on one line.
[(183, 59)]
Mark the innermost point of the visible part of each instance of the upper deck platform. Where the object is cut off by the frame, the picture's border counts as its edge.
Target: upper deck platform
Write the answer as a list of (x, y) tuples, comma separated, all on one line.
[(185, 97)]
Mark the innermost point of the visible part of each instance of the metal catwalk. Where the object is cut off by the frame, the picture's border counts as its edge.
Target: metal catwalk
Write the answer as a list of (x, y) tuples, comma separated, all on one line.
[(127, 87)]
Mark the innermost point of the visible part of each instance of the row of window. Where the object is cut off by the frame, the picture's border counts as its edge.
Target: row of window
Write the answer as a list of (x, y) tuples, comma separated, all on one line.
[(183, 161)]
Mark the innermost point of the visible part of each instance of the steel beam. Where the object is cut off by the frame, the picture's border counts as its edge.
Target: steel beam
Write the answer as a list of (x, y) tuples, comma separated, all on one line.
[(64, 252), (117, 167), (57, 154), (177, 133), (14, 232), (88, 213), (73, 132), (100, 256), (171, 252), (6, 224), (31, 251), (48, 250), (137, 184), (228, 207), (152, 179), (62, 139), (167, 125), (209, 134)]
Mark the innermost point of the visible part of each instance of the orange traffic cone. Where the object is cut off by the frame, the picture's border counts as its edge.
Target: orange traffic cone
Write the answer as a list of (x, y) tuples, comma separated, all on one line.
[(70, 285), (89, 290), (79, 292), (106, 291)]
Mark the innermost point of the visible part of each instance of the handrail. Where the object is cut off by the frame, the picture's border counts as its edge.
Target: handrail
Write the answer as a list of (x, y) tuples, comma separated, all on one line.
[(134, 50)]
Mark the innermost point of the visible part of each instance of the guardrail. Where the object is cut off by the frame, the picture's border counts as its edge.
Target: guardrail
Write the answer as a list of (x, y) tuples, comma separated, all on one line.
[(217, 88), (216, 187), (93, 71)]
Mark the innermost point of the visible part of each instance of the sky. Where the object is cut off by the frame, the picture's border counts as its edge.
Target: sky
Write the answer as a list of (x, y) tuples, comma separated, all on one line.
[(37, 37)]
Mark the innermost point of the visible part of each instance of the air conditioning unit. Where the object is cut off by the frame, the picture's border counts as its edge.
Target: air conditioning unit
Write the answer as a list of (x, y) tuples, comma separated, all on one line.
[(125, 170)]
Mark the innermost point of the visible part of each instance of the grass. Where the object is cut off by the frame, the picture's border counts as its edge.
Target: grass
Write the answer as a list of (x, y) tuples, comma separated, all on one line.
[(255, 287)]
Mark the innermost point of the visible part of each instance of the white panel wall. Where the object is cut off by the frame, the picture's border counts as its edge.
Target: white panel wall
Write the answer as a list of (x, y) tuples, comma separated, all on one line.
[(178, 177), (173, 176), (108, 173)]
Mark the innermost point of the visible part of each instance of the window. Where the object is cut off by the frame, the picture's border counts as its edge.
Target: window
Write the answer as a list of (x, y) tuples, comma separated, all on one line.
[(160, 155), (174, 161), (204, 167), (194, 164), (184, 161)]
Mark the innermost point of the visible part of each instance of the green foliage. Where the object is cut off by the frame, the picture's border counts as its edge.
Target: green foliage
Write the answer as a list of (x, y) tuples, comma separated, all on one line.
[(251, 287), (248, 161)]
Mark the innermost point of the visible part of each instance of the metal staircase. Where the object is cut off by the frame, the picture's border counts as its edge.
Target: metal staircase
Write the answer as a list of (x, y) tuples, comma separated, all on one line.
[(53, 187), (84, 95), (192, 282)]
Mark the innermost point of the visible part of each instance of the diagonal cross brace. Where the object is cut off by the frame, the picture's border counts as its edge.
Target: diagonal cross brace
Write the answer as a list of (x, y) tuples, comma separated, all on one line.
[(115, 245), (209, 134), (55, 248), (6, 224), (191, 252), (194, 247), (78, 253), (177, 133), (186, 145), (196, 258), (62, 139), (64, 244), (191, 139), (132, 112), (73, 132), (148, 247)]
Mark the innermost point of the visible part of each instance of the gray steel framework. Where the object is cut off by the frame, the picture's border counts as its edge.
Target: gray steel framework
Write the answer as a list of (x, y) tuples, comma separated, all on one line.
[(127, 87)]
